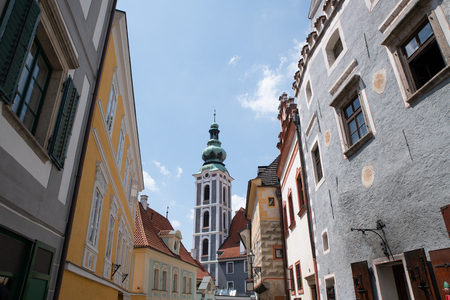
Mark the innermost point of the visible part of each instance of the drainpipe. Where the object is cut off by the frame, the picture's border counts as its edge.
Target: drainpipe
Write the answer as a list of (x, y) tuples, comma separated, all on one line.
[(73, 205), (283, 240), (296, 121)]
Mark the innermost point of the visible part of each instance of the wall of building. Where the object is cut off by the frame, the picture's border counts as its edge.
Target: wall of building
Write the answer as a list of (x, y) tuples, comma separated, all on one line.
[(399, 175)]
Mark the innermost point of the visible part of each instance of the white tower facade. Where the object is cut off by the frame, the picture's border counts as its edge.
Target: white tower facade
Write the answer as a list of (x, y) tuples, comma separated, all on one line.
[(213, 209)]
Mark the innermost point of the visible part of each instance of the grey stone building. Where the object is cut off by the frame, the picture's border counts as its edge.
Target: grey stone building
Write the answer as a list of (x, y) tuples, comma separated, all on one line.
[(372, 94), (50, 52), (212, 204)]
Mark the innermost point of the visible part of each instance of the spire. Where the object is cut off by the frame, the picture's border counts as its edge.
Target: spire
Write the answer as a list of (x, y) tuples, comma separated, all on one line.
[(214, 155)]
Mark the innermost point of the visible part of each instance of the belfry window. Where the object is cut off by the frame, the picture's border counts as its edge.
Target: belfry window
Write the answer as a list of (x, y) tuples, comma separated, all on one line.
[(206, 219), (206, 193)]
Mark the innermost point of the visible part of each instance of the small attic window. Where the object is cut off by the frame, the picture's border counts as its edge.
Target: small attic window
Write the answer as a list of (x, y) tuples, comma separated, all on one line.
[(175, 246), (308, 91)]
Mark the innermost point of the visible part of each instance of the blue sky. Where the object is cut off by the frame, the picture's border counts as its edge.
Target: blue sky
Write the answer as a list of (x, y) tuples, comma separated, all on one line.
[(190, 58)]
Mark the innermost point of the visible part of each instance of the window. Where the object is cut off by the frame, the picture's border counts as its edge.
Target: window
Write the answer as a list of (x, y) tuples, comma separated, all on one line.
[(206, 219), (156, 279), (111, 110), (206, 193), (189, 285), (110, 238), (422, 55), (291, 283), (120, 147), (329, 285), (334, 48), (164, 281), (175, 283), (230, 285), (230, 267), (225, 196), (308, 92), (352, 111), (271, 201), (325, 246), (205, 247), (298, 273), (301, 200), (225, 222), (32, 86), (26, 75), (245, 266), (184, 284), (315, 153), (125, 175), (291, 210), (94, 223), (285, 224), (277, 252), (419, 50)]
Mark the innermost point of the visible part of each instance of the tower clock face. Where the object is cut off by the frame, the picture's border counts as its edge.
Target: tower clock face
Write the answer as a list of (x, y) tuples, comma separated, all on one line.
[(206, 175)]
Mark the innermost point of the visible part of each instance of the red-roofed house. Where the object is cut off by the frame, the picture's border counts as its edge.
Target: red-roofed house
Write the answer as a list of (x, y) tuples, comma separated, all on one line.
[(233, 258), (163, 268)]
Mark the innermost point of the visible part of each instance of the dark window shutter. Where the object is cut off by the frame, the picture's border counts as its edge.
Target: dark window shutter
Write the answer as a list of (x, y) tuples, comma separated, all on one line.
[(40, 272), (445, 210), (440, 260), (361, 281), (16, 35), (419, 275), (64, 122)]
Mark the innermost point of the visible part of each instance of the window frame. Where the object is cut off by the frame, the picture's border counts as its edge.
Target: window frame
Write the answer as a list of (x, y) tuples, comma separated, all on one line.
[(206, 218), (206, 193), (354, 87), (111, 108), (300, 195), (298, 277), (325, 238), (331, 38), (314, 161), (291, 209), (155, 279), (175, 282), (228, 285), (405, 26), (164, 285), (291, 279), (230, 263), (271, 202)]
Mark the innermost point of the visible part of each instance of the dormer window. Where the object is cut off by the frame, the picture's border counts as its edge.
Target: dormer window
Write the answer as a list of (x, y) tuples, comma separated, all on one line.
[(172, 239)]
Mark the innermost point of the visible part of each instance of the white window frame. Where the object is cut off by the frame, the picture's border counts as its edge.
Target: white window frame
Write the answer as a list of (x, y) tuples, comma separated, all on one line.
[(326, 280), (189, 284), (327, 249), (113, 211), (164, 285), (228, 285), (337, 29), (316, 144), (112, 104), (99, 188), (353, 86), (120, 147), (175, 281), (184, 283), (230, 263), (401, 30), (307, 81), (156, 278)]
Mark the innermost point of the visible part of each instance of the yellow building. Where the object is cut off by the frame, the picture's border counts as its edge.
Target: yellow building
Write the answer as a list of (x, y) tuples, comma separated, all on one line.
[(264, 240), (99, 255)]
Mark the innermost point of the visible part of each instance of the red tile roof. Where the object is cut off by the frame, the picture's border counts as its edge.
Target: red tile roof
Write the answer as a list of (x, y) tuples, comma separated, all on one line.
[(231, 246), (148, 224), (201, 271)]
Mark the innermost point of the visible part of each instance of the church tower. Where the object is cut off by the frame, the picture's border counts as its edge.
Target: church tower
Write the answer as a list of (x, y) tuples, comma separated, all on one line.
[(212, 207)]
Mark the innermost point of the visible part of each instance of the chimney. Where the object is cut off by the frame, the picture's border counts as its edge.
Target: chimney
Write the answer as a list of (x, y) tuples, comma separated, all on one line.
[(144, 201)]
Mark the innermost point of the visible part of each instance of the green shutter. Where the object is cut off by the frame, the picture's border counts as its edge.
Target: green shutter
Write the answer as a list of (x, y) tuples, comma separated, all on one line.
[(16, 35), (40, 272), (63, 126)]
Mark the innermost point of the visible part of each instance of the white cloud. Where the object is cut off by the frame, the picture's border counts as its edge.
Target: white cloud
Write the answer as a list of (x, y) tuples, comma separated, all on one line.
[(233, 60), (295, 56), (179, 172), (238, 202), (149, 182), (190, 215), (162, 168), (264, 100), (175, 223)]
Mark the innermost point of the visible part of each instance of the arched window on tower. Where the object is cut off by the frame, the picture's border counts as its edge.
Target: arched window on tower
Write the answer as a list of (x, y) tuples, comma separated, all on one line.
[(206, 219), (205, 245), (224, 196), (224, 222), (206, 193)]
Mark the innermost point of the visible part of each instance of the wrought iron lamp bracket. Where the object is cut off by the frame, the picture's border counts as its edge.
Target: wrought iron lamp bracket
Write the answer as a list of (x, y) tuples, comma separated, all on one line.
[(384, 244)]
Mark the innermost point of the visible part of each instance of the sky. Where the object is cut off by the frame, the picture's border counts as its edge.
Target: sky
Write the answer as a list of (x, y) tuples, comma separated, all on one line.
[(191, 58)]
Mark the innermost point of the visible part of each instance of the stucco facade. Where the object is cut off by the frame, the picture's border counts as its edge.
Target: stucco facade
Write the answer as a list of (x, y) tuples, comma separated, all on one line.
[(43, 117), (384, 64), (99, 256), (266, 237)]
